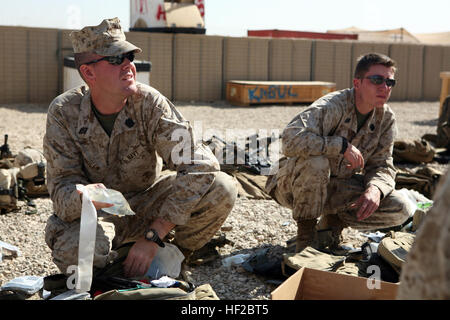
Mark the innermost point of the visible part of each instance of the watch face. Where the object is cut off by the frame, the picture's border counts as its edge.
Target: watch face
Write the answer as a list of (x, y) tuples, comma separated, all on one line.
[(150, 234)]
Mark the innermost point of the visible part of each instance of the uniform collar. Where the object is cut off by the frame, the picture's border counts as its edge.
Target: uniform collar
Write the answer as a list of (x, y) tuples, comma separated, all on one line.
[(88, 124), (350, 114), (350, 119)]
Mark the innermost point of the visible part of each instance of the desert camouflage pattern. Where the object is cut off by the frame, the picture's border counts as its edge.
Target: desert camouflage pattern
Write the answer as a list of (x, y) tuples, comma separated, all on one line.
[(313, 179), (78, 151), (425, 273), (314, 193), (207, 218), (106, 39)]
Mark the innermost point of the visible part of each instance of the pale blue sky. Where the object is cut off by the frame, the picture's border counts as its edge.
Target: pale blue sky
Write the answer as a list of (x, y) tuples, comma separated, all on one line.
[(235, 17)]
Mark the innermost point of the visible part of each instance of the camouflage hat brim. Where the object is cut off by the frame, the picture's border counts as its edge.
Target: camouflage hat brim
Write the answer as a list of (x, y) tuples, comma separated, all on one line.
[(117, 48)]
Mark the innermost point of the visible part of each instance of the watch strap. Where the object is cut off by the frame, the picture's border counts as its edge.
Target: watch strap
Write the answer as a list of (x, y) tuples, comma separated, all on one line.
[(155, 238)]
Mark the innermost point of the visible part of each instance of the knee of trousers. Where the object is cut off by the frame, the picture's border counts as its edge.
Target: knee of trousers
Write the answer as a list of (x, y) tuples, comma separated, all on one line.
[(318, 164), (315, 168), (223, 192), (63, 240), (309, 188), (396, 203), (311, 173)]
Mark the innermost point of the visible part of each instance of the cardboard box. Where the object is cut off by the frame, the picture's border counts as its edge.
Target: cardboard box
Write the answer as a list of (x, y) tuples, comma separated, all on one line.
[(310, 284)]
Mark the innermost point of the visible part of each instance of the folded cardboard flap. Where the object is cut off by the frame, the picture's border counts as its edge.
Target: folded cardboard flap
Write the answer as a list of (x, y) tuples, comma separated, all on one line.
[(311, 284)]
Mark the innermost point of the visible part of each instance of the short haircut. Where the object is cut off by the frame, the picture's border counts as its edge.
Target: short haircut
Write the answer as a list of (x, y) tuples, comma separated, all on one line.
[(370, 59), (82, 58)]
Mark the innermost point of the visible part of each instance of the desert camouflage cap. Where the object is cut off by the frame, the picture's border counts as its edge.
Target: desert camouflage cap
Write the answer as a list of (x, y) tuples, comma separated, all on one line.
[(106, 39)]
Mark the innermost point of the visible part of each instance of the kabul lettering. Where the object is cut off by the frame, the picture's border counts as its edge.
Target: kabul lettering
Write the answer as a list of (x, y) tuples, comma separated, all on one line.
[(271, 93)]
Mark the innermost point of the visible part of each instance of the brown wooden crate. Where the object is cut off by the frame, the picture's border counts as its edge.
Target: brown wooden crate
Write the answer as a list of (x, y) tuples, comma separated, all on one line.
[(244, 93)]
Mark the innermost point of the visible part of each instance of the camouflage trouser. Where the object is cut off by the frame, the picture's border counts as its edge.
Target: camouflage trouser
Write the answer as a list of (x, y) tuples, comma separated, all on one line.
[(310, 192), (112, 231)]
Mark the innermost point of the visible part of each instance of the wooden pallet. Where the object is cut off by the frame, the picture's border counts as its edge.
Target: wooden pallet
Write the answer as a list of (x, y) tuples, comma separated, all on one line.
[(245, 93)]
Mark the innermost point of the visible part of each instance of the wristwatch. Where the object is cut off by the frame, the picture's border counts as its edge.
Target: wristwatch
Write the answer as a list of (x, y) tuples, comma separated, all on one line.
[(152, 235)]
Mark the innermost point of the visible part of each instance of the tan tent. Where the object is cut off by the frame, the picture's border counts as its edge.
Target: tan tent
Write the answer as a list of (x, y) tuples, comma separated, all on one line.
[(434, 38), (392, 35)]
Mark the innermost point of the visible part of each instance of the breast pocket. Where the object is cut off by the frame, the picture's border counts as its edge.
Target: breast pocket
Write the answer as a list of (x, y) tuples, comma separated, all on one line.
[(134, 154)]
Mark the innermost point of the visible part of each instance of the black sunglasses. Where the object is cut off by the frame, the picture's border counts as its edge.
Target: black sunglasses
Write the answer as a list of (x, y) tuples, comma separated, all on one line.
[(377, 80), (116, 60)]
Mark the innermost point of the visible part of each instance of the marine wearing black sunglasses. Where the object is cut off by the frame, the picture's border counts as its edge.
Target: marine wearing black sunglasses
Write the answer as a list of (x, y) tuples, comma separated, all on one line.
[(115, 60), (377, 80)]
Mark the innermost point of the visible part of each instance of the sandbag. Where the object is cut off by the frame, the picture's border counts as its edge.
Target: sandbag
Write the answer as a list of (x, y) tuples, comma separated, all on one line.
[(395, 247)]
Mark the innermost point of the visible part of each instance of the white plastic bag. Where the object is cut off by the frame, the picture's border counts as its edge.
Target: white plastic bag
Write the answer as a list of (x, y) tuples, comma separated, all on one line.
[(235, 260), (9, 249), (27, 284), (414, 200), (121, 206), (167, 262)]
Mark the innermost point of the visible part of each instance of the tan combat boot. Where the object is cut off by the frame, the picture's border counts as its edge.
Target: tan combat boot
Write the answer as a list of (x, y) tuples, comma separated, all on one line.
[(329, 232), (305, 234)]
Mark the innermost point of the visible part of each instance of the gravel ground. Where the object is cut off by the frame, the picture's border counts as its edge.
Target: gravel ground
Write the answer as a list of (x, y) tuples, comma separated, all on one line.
[(253, 224)]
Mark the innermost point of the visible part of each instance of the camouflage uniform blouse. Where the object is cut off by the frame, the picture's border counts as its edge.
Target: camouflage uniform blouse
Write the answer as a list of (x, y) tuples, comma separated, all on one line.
[(79, 151), (318, 131)]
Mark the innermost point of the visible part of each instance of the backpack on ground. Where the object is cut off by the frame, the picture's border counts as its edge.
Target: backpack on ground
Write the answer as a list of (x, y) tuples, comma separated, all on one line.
[(32, 166), (22, 176), (414, 151), (9, 189), (395, 247)]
